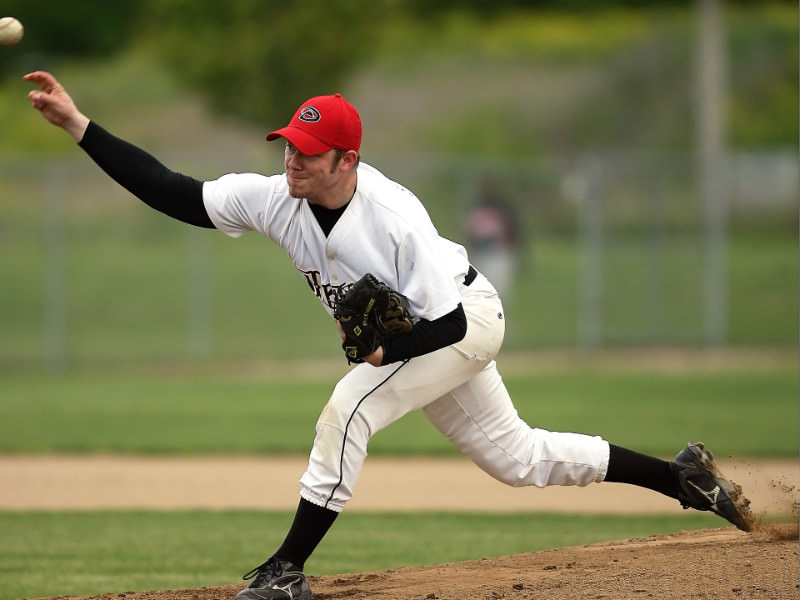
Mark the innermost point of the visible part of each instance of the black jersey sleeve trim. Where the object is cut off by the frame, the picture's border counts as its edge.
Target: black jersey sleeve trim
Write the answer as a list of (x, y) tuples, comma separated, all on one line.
[(176, 195), (426, 337)]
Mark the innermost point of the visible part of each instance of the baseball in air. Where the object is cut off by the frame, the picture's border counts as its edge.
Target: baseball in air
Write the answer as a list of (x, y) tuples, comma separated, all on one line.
[(10, 31)]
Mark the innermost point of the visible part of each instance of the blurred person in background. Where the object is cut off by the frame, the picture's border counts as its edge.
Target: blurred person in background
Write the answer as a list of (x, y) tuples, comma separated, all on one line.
[(494, 237)]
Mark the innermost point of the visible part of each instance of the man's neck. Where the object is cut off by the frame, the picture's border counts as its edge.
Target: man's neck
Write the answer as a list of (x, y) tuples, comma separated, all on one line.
[(339, 196)]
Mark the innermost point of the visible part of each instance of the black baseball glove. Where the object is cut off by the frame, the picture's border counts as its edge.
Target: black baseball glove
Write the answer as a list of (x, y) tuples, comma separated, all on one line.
[(369, 311)]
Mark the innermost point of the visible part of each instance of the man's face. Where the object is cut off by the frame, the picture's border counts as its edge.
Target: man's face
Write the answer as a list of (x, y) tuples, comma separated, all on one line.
[(311, 177)]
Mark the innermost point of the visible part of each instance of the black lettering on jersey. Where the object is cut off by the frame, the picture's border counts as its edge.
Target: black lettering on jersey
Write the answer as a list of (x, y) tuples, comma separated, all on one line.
[(324, 291)]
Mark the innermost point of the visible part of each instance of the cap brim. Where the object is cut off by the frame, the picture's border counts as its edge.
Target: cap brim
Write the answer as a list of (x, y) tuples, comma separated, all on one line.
[(302, 140)]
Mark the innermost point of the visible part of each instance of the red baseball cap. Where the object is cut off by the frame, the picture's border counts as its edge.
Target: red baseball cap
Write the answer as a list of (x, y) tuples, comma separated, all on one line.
[(322, 123)]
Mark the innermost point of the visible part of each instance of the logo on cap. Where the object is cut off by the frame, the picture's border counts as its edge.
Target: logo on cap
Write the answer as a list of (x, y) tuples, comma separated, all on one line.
[(309, 114)]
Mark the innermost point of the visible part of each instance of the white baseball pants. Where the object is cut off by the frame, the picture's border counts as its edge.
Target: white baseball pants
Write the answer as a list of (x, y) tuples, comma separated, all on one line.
[(461, 392)]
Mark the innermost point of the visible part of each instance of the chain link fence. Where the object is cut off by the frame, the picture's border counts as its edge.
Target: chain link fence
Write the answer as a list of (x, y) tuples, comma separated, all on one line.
[(607, 251)]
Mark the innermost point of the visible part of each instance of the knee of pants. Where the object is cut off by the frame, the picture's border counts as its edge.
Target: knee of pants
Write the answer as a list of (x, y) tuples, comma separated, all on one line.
[(548, 458), (333, 414), (344, 410), (343, 430), (335, 461)]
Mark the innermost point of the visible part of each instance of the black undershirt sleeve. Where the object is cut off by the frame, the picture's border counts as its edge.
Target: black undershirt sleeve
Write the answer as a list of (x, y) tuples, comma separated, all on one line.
[(426, 337), (176, 195)]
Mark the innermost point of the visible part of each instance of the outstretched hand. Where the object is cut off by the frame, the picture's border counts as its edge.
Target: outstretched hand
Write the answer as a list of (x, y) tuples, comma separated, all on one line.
[(55, 104)]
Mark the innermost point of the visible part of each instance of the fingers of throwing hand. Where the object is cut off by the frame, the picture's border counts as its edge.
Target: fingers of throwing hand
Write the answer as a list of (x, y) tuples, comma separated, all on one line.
[(39, 100), (42, 78)]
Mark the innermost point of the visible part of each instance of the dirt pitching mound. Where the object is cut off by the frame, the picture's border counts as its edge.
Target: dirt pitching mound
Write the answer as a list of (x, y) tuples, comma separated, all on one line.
[(709, 564)]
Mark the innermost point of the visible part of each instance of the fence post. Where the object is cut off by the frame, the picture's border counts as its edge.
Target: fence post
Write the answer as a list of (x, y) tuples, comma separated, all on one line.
[(55, 313), (711, 142), (590, 256)]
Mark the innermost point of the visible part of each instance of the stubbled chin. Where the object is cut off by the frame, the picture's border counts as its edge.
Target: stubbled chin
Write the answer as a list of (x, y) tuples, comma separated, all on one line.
[(296, 191)]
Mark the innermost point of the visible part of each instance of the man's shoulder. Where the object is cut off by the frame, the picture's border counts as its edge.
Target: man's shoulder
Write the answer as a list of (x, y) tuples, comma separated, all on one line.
[(254, 179), (389, 201), (374, 183)]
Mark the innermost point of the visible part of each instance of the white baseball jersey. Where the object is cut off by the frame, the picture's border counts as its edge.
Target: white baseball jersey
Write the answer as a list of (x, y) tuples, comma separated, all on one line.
[(384, 231)]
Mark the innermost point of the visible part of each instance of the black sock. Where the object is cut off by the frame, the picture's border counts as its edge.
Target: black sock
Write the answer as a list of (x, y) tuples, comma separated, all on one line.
[(311, 523), (627, 466)]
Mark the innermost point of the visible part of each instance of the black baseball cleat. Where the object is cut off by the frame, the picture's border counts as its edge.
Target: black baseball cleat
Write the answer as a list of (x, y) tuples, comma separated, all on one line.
[(704, 487), (276, 580)]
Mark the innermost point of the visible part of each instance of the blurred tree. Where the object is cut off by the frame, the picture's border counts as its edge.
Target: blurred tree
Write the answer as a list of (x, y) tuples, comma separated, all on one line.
[(62, 30), (427, 8), (259, 59), (763, 102)]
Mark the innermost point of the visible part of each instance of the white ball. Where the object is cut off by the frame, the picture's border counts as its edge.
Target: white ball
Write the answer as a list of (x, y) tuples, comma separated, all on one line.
[(10, 31)]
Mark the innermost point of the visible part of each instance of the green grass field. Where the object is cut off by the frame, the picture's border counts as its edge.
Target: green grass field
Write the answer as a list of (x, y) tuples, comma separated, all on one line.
[(744, 412), (79, 553), (738, 411)]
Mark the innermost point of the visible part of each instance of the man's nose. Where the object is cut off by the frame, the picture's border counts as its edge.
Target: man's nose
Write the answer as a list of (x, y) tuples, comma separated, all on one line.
[(294, 160)]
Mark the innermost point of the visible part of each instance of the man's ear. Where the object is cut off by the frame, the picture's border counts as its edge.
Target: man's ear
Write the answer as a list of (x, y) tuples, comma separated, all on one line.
[(350, 159)]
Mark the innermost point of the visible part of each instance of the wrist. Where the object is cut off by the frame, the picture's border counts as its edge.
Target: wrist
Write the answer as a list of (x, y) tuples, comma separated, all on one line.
[(376, 358), (76, 126)]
